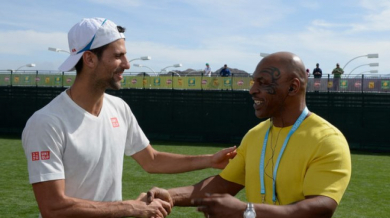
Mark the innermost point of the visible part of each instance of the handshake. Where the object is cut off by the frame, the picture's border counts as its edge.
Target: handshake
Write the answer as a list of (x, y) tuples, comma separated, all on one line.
[(158, 203)]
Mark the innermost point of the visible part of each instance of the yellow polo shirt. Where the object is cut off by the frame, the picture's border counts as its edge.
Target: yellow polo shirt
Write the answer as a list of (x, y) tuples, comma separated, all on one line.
[(316, 161)]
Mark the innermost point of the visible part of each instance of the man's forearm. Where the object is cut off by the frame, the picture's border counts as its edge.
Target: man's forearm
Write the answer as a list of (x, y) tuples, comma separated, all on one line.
[(319, 206), (53, 202), (183, 196), (153, 161), (227, 206), (177, 163), (72, 207)]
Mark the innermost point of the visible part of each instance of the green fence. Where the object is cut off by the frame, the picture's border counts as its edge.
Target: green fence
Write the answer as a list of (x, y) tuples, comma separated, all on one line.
[(362, 83), (214, 115), (131, 81), (35, 79)]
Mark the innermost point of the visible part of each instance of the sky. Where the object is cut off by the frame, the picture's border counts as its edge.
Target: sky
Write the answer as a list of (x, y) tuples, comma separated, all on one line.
[(195, 32)]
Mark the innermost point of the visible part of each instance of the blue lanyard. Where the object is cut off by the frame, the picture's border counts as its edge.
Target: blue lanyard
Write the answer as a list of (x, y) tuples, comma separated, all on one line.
[(297, 123)]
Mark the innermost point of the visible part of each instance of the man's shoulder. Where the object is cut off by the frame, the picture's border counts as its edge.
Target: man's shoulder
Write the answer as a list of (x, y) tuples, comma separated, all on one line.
[(261, 127), (116, 103), (321, 125), (48, 118), (113, 98), (53, 107)]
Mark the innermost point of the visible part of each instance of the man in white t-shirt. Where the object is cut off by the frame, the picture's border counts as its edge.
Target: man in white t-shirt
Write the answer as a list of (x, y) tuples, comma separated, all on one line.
[(76, 144), (207, 70)]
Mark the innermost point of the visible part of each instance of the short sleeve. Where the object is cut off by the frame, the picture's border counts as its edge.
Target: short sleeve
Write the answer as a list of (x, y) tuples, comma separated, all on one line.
[(43, 141), (136, 139), (235, 170), (332, 163)]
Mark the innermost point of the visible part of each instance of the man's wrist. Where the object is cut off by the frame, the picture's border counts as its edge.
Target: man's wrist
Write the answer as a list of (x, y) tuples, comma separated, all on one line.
[(249, 211)]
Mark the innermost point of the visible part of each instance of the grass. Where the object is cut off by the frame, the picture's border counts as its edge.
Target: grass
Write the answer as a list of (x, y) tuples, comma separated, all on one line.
[(366, 196)]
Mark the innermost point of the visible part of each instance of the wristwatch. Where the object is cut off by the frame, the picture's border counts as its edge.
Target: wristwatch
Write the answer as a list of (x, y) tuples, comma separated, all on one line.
[(250, 211)]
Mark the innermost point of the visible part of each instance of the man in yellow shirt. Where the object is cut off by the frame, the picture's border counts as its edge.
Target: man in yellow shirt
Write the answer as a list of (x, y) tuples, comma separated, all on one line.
[(294, 164)]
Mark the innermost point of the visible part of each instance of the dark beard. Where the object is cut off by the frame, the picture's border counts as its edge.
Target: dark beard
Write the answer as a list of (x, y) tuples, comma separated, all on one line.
[(114, 85)]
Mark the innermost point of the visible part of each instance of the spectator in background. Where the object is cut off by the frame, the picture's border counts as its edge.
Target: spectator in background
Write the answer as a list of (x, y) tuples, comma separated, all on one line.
[(317, 72), (225, 72), (307, 72), (207, 70), (336, 76)]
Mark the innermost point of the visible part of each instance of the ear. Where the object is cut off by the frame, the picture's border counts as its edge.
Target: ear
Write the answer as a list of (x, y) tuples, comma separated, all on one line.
[(295, 86), (90, 59)]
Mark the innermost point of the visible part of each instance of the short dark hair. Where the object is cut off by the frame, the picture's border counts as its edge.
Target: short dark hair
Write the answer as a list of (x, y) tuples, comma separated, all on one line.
[(97, 51)]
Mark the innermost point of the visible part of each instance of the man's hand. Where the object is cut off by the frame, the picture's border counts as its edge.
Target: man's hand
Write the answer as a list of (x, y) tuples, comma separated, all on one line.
[(158, 208), (220, 159), (142, 197), (158, 193), (220, 206), (155, 209)]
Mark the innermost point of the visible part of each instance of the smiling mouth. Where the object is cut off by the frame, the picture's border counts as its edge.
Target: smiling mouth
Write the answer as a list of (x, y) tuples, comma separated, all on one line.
[(258, 102)]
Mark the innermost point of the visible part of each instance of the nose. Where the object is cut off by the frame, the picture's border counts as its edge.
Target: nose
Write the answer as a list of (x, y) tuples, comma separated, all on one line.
[(126, 64), (253, 90)]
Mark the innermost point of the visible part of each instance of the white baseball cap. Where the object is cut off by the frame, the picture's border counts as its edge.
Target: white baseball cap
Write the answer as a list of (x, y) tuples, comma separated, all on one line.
[(88, 34)]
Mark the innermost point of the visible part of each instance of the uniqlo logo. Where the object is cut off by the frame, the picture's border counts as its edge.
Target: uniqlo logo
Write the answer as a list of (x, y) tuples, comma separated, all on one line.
[(45, 155), (114, 122), (35, 155)]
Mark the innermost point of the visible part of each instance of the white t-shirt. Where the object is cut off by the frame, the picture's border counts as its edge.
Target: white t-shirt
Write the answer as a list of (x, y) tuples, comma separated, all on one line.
[(207, 71), (63, 141)]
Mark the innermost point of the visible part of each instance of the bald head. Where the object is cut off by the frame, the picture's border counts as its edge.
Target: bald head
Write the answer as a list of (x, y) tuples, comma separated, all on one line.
[(289, 65), (279, 88)]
